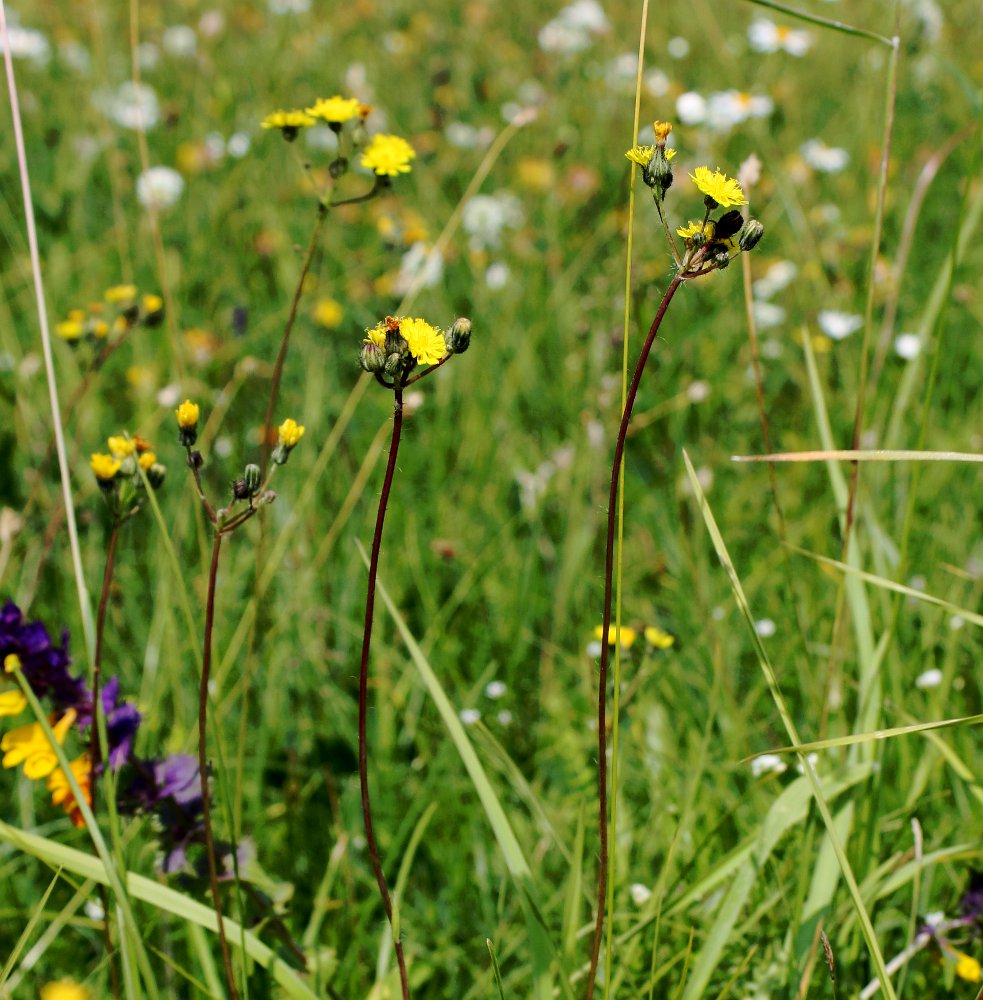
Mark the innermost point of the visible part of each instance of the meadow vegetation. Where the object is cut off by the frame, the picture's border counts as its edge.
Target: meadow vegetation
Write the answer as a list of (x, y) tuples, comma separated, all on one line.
[(761, 605)]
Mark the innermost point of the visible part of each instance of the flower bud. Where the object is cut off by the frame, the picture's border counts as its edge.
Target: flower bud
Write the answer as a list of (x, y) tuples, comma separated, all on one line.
[(728, 224), (458, 338), (395, 343), (253, 478), (372, 358), (393, 364), (187, 421), (289, 435), (751, 233), (156, 474)]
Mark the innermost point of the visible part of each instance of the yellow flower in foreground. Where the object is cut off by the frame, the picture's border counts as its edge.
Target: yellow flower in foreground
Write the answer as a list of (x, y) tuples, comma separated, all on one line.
[(642, 155), (661, 130), (12, 702), (426, 342), (65, 989), (967, 967), (658, 639), (377, 335), (28, 745), (328, 313), (61, 790), (688, 232), (628, 635), (290, 433), (122, 447), (105, 467), (388, 155), (335, 110), (187, 415), (724, 190), (120, 293)]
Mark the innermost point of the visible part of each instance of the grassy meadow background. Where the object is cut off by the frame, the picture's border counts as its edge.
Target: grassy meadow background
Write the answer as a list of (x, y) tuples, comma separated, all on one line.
[(494, 541)]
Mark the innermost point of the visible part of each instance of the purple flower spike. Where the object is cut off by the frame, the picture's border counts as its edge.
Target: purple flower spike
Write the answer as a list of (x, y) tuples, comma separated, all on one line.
[(122, 722)]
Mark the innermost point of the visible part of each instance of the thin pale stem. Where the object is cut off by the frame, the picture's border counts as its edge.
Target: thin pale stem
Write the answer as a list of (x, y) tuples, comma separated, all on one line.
[(363, 684), (206, 664), (602, 682)]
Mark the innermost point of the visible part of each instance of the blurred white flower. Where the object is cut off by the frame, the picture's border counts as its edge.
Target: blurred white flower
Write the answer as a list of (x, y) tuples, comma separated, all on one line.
[(180, 40), (465, 136), (697, 391), (169, 396), (956, 622), (768, 763), (593, 649), (779, 275), (238, 145), (504, 717), (767, 315), (289, 6), (930, 679), (765, 627), (571, 30), (159, 188), (420, 267), (321, 137), (838, 325), (131, 105), (766, 36), (731, 107), (211, 23), (469, 716), (532, 485), (27, 43), (678, 47), (812, 759), (691, 108), (485, 216), (586, 14), (495, 689), (640, 894), (497, 275), (148, 56), (76, 55), (656, 83), (825, 159), (907, 345)]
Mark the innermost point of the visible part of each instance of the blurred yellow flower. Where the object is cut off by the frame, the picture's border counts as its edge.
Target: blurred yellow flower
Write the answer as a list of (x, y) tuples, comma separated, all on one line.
[(147, 460), (967, 967), (122, 447), (65, 989), (628, 635), (388, 155), (290, 433), (69, 329), (103, 466), (288, 122), (12, 702), (119, 294), (335, 110), (328, 313), (187, 415), (658, 639), (29, 746), (61, 790)]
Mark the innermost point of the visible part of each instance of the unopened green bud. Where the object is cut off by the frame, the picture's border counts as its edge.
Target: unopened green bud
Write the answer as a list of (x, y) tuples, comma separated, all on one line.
[(253, 478), (336, 168), (751, 233), (372, 358), (396, 343), (393, 363), (658, 174), (728, 224), (721, 259), (458, 337)]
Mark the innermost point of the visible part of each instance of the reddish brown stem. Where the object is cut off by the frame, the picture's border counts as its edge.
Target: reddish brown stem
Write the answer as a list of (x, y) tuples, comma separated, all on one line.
[(363, 684), (206, 664), (602, 681)]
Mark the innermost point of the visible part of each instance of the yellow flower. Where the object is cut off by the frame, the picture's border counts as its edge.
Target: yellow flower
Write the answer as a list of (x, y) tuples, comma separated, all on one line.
[(967, 967), (426, 342), (119, 294), (12, 702), (122, 447), (335, 110), (29, 745), (147, 460), (289, 122), (628, 635), (658, 639), (290, 433), (328, 313), (377, 335), (688, 232), (61, 790), (65, 989), (100, 328), (152, 303), (69, 329), (662, 130), (642, 155), (724, 190), (187, 415), (105, 467), (388, 155)]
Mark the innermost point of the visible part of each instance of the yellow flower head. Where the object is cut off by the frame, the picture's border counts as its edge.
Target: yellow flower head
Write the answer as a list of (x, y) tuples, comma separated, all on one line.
[(69, 329), (104, 467), (967, 967), (147, 461), (65, 989), (122, 447), (289, 122), (688, 232), (11, 663), (426, 342), (328, 313), (61, 790), (152, 303), (377, 335), (642, 155), (335, 110), (120, 294), (658, 639), (29, 746), (662, 130), (628, 635), (100, 328), (724, 190), (187, 415), (388, 155), (290, 433), (12, 702)]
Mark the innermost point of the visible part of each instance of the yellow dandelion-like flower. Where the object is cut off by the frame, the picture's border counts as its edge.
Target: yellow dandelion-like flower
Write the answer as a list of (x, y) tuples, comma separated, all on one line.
[(724, 190), (328, 313), (335, 110), (29, 746), (12, 702), (147, 461), (69, 329), (628, 635), (377, 335), (122, 447), (288, 122), (104, 467), (426, 342), (65, 989), (290, 433), (967, 967), (658, 639), (662, 130), (119, 294), (61, 790), (187, 415), (152, 303), (388, 155), (642, 155), (688, 232)]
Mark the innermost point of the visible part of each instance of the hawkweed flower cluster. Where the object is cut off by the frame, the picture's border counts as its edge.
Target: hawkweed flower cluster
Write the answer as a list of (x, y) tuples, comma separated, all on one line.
[(118, 473), (395, 347), (123, 308), (709, 244)]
